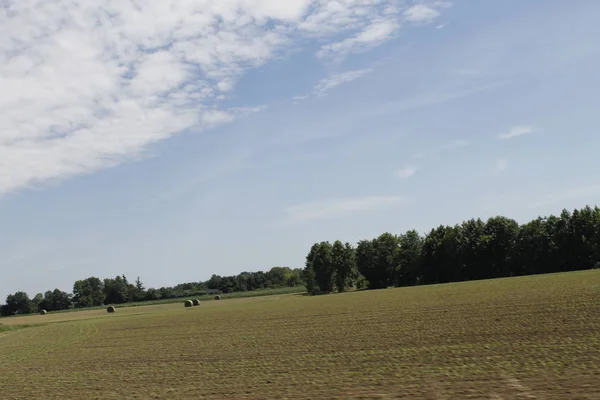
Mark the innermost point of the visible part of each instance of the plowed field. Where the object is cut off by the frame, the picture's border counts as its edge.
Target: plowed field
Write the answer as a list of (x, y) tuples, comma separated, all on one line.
[(518, 338)]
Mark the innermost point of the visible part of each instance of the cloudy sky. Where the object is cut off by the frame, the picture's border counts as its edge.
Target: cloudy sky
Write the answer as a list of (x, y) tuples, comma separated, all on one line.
[(174, 139)]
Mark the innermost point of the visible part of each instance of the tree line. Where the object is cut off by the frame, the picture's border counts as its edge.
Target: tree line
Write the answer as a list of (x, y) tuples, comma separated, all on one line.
[(93, 291), (475, 249)]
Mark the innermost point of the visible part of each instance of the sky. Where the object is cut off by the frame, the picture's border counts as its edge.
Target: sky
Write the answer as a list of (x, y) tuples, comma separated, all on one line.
[(173, 140)]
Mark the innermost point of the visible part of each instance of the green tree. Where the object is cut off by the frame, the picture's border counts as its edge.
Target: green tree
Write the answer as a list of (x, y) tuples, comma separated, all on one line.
[(116, 291), (499, 244), (37, 301), (387, 260), (319, 262), (365, 262), (344, 265), (409, 258), (88, 292), (18, 303)]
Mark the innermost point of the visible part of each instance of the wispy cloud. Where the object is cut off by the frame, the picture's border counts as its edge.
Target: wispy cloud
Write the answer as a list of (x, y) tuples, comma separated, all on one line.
[(379, 27), (94, 84), (335, 208), (377, 32), (333, 81), (421, 13), (501, 165), (338, 79), (517, 131), (406, 172)]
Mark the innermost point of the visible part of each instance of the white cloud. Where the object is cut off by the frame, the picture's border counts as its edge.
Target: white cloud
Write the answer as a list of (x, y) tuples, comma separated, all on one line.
[(377, 25), (421, 13), (333, 81), (501, 165), (371, 35), (335, 208), (338, 79), (406, 172), (440, 26), (516, 132), (89, 85)]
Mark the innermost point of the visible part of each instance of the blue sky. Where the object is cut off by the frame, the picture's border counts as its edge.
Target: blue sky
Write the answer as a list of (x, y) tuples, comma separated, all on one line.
[(173, 140)]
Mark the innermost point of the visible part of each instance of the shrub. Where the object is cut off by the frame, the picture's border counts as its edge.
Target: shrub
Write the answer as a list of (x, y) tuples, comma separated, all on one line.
[(110, 309), (217, 297), (188, 303)]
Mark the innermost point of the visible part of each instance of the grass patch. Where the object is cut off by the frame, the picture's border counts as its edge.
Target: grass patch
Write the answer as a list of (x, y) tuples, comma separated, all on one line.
[(531, 337)]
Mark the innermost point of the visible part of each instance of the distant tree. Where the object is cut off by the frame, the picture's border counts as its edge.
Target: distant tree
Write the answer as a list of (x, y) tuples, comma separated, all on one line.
[(37, 301), (498, 246), (344, 265), (88, 292), (117, 290), (55, 300), (387, 262), (152, 294), (140, 290), (308, 275), (365, 262), (409, 258), (277, 276), (294, 278), (472, 263), (18, 303), (323, 268)]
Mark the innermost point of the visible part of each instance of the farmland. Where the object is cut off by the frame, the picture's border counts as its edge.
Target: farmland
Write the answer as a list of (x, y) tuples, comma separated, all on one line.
[(528, 337)]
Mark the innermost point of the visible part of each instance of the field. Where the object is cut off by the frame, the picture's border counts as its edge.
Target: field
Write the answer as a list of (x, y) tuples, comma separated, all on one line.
[(518, 338)]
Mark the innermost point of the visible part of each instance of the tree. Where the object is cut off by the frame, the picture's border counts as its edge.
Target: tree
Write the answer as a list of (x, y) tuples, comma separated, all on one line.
[(387, 251), (344, 265), (18, 303), (308, 274), (471, 257), (88, 292), (365, 262), (324, 272), (139, 292), (441, 255), (277, 276), (116, 291), (37, 301), (499, 242), (409, 258)]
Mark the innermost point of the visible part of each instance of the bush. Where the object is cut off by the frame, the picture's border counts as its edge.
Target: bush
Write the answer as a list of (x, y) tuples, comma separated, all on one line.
[(188, 303), (110, 309)]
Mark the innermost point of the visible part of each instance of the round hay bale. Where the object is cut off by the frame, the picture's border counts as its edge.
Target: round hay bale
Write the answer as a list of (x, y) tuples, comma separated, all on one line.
[(110, 309), (43, 312), (217, 297), (188, 303), (196, 302)]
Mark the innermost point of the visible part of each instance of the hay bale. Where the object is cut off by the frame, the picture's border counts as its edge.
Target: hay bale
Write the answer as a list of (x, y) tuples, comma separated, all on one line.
[(110, 309), (196, 302), (43, 312), (217, 297), (188, 303)]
